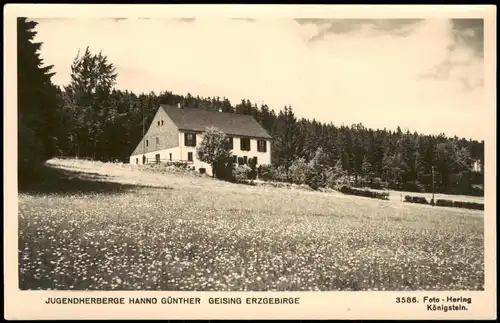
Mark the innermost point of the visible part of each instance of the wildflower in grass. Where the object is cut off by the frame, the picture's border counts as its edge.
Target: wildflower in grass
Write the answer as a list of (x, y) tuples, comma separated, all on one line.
[(157, 239)]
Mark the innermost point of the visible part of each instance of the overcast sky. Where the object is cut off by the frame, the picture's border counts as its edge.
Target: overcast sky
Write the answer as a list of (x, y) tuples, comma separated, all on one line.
[(425, 75)]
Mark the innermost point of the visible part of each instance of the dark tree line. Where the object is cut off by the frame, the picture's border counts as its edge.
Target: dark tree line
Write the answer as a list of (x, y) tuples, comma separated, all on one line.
[(37, 101), (90, 118)]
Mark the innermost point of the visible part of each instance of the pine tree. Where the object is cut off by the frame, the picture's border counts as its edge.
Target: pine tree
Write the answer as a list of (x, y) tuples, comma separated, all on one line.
[(285, 139), (338, 171), (37, 100), (358, 151), (92, 79), (318, 169), (387, 174), (366, 168)]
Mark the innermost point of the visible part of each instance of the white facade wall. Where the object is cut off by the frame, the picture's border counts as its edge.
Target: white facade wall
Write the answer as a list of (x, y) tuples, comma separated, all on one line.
[(262, 158), (185, 150), (181, 153), (164, 154)]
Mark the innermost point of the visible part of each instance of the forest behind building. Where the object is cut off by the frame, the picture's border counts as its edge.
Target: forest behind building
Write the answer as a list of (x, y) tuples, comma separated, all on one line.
[(90, 118)]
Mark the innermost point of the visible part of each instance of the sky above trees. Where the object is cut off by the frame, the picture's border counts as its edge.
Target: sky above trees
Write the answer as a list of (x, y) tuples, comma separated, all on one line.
[(424, 75), (91, 118)]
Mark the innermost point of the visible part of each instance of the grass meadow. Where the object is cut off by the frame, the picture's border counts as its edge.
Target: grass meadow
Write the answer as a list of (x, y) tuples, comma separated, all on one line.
[(107, 227)]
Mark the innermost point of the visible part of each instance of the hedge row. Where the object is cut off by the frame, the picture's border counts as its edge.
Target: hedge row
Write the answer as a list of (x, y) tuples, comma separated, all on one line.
[(365, 193), (448, 203), (460, 204), (416, 199)]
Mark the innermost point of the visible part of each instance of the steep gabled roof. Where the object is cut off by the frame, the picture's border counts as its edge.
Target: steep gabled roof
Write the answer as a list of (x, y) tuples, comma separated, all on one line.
[(230, 123)]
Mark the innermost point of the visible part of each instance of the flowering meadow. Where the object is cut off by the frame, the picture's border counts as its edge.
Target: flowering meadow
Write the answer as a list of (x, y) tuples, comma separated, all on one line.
[(202, 234)]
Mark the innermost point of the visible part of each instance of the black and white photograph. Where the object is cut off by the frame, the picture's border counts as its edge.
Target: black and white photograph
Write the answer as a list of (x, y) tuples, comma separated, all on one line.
[(253, 154)]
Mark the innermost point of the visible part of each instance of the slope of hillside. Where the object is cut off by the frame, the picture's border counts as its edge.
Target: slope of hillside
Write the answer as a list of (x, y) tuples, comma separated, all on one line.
[(120, 228)]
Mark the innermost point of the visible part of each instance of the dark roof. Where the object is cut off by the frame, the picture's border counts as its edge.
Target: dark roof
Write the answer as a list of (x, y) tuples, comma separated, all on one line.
[(195, 119)]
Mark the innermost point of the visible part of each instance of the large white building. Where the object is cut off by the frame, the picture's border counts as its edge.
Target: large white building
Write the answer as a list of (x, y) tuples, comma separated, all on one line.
[(175, 132)]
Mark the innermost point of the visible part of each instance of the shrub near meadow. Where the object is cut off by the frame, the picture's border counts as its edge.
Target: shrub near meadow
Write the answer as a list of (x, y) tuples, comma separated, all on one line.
[(364, 192)]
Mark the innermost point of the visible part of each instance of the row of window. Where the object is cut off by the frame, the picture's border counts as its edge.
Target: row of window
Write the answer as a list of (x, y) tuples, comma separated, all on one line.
[(245, 160), (159, 123), (190, 141), (239, 160), (157, 157)]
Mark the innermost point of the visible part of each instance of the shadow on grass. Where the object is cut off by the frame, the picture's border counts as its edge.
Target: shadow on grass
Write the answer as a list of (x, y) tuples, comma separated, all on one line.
[(51, 180)]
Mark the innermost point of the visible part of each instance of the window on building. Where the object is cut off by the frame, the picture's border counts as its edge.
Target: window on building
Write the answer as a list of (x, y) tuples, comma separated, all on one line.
[(229, 143), (255, 161), (137, 160), (158, 123), (170, 156), (261, 146), (245, 144), (245, 160), (235, 159), (162, 122), (157, 141), (190, 156), (147, 142), (190, 139), (157, 158)]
